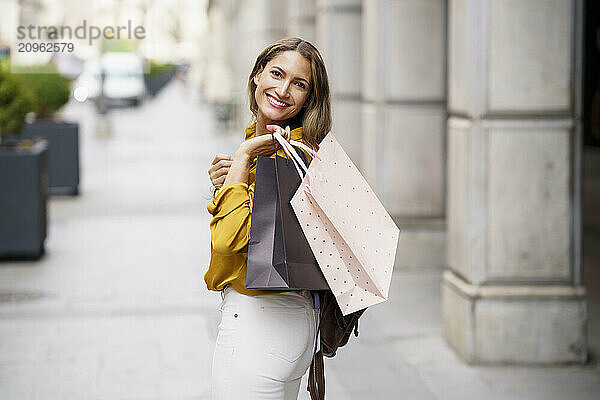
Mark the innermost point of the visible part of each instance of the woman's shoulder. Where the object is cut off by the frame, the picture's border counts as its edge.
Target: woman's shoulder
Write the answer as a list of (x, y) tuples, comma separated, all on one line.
[(250, 131)]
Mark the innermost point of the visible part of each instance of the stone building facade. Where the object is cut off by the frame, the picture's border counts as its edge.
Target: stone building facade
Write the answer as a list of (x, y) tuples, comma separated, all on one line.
[(464, 115)]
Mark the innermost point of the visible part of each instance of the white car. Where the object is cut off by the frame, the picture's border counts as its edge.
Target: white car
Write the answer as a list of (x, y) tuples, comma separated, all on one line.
[(123, 77), (87, 85)]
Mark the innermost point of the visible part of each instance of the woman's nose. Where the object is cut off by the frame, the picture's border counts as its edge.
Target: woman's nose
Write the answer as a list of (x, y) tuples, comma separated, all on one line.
[(282, 89)]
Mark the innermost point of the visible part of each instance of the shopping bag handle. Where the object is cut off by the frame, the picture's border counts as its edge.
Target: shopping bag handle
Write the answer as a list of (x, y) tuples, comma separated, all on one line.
[(286, 154), (306, 148), (290, 151)]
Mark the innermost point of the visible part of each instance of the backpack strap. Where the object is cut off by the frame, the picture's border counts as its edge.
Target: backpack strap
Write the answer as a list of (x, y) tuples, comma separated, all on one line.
[(316, 377), (316, 374)]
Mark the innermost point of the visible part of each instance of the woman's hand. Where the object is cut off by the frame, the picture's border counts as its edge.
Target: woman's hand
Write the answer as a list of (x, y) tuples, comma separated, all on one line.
[(250, 149), (219, 169), (263, 145)]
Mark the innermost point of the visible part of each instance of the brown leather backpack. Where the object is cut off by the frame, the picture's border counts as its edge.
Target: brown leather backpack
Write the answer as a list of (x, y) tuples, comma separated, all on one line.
[(335, 330)]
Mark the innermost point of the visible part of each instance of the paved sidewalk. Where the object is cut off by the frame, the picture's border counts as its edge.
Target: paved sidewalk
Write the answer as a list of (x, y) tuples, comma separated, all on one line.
[(118, 309)]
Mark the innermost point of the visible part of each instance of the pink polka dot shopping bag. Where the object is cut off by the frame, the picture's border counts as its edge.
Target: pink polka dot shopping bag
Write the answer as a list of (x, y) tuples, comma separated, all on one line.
[(352, 236)]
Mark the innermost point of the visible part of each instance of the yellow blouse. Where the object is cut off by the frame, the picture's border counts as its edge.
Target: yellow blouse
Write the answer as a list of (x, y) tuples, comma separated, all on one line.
[(230, 230)]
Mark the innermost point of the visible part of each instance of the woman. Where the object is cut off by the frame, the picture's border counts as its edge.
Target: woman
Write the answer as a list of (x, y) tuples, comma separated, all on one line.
[(265, 339)]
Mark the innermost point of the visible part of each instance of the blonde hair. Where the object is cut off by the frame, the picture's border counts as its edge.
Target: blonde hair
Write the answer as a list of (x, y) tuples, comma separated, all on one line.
[(315, 115)]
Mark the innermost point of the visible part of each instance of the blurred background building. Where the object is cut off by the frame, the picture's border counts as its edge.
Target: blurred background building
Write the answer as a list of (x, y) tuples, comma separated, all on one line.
[(466, 116)]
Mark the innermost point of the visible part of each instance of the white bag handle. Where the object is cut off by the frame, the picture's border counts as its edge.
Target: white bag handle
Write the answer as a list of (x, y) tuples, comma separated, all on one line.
[(290, 151), (305, 147)]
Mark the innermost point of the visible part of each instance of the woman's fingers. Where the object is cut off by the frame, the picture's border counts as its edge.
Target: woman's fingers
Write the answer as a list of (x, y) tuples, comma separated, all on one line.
[(220, 157), (218, 177), (219, 164), (264, 145), (286, 133), (219, 172), (219, 181), (223, 163), (219, 169), (272, 128), (223, 170)]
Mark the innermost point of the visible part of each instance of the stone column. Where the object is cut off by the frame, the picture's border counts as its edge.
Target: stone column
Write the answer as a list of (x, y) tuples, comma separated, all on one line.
[(513, 292), (301, 19), (404, 121), (250, 26), (338, 24)]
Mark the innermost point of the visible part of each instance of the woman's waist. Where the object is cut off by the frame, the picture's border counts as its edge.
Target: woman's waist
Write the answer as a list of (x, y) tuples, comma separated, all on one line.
[(287, 299)]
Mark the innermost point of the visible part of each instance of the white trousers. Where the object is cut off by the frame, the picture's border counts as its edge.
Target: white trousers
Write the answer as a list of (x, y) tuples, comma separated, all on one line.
[(264, 345)]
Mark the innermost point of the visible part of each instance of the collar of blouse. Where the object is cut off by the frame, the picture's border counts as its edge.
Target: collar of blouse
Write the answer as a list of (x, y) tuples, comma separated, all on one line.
[(251, 131)]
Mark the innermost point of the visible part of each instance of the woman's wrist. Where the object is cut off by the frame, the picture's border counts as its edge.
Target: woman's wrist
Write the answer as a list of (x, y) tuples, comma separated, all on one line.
[(242, 156), (238, 172)]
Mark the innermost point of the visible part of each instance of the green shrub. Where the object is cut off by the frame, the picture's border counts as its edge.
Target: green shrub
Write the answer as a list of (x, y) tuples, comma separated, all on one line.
[(158, 69), (118, 45), (14, 104), (48, 89)]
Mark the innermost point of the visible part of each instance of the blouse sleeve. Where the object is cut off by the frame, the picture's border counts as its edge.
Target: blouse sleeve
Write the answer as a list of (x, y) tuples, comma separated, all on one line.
[(231, 210)]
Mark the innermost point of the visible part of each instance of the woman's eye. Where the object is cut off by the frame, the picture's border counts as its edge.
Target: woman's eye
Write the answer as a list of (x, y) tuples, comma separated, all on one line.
[(276, 73), (301, 85)]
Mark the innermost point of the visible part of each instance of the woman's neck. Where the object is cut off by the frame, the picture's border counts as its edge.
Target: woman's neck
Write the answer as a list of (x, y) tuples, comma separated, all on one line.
[(262, 122)]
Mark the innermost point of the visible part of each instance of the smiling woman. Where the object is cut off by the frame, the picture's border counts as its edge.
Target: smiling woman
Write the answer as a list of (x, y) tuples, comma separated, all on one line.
[(282, 86), (265, 339), (293, 68)]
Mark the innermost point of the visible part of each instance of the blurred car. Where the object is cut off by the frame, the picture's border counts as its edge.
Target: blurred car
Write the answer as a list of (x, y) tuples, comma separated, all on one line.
[(87, 85), (123, 78), (68, 64)]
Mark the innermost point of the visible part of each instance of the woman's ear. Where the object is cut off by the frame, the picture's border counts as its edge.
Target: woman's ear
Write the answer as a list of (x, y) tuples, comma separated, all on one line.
[(257, 77)]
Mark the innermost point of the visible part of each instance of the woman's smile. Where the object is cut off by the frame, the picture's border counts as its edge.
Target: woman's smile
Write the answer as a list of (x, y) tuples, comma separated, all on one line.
[(276, 102)]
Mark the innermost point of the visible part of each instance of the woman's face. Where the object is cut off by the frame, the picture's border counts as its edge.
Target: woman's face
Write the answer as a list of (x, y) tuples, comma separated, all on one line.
[(283, 86)]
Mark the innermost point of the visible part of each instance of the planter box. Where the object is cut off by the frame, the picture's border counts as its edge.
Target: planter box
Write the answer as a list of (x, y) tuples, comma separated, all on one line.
[(156, 83), (23, 194), (63, 153)]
